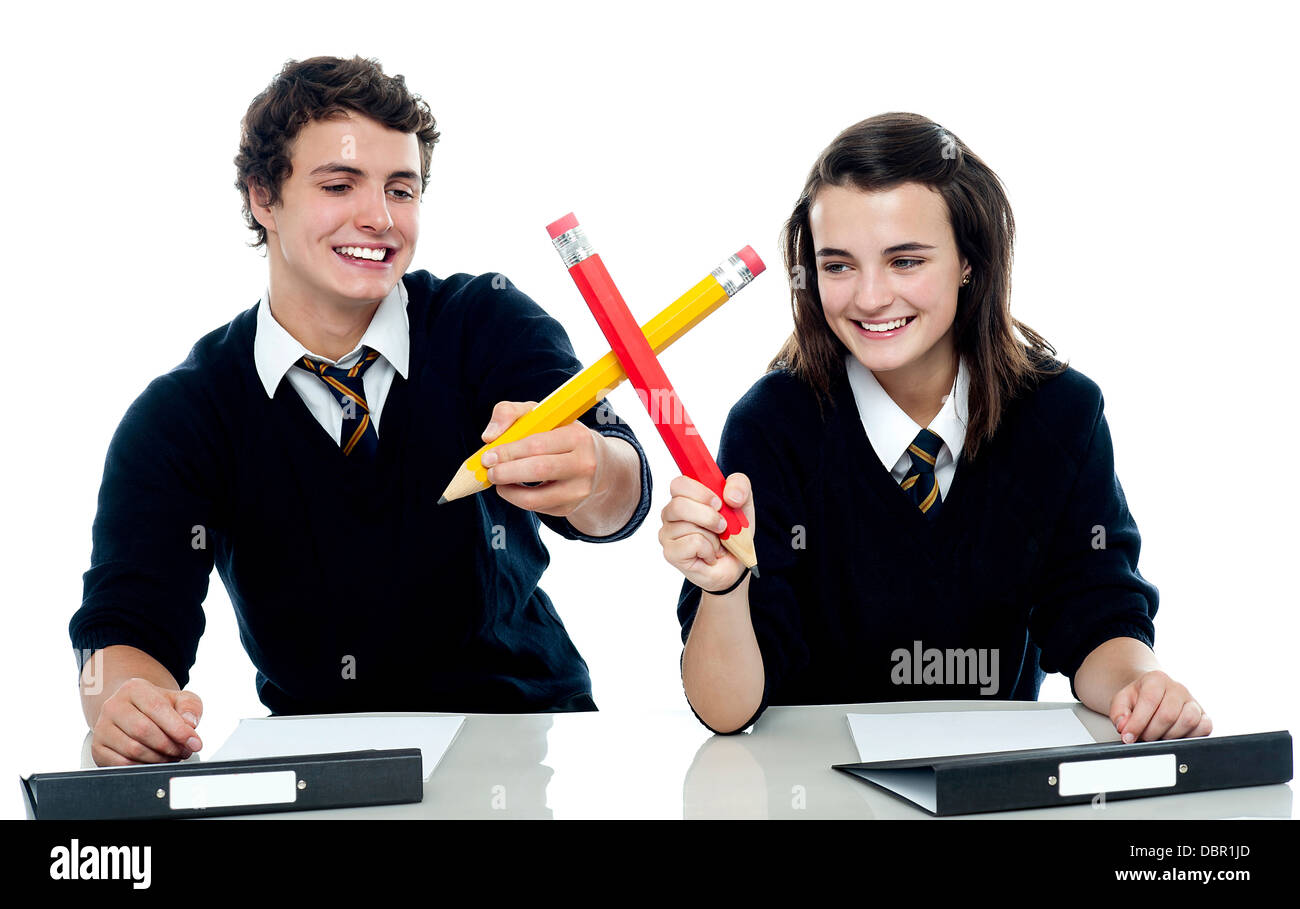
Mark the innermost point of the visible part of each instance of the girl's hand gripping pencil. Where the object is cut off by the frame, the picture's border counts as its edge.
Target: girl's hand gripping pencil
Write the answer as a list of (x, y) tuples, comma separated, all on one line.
[(647, 375)]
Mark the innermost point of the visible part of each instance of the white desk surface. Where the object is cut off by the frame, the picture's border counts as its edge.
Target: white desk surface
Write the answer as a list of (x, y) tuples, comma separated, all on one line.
[(666, 765)]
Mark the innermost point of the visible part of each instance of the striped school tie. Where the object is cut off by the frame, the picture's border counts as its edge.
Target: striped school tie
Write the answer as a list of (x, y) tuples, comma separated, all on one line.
[(921, 485), (359, 436)]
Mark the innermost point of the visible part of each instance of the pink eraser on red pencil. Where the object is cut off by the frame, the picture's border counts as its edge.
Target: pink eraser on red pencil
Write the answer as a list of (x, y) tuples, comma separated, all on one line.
[(568, 222), (751, 260)]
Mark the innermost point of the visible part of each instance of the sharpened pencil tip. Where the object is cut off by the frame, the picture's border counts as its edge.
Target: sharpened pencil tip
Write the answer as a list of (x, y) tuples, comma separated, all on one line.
[(442, 500), (754, 571)]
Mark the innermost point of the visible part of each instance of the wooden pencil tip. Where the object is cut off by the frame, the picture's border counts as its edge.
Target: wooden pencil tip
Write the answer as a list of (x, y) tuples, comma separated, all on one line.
[(442, 500), (463, 484), (754, 571), (741, 545)]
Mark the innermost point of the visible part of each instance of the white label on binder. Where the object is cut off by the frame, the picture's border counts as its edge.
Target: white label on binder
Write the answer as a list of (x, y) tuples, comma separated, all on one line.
[(1151, 771), (222, 790)]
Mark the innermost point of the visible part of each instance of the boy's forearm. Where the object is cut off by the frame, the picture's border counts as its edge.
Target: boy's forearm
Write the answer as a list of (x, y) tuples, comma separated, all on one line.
[(617, 494)]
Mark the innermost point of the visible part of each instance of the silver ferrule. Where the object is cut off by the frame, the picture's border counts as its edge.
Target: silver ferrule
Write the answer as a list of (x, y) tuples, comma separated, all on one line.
[(573, 246), (733, 275)]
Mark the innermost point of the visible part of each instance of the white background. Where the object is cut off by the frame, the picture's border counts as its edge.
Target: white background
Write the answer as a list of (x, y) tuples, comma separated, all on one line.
[(1148, 151)]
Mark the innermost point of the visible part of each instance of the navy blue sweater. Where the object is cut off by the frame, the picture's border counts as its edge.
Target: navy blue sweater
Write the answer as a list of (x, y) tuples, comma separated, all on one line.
[(1033, 558), (353, 589)]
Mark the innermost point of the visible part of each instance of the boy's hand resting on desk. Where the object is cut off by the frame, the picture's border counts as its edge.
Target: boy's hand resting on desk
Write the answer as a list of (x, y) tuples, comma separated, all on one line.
[(692, 521), (1154, 706), (143, 723)]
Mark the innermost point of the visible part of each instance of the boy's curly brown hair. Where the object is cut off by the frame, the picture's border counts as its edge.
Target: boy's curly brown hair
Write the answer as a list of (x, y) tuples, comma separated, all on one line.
[(321, 88)]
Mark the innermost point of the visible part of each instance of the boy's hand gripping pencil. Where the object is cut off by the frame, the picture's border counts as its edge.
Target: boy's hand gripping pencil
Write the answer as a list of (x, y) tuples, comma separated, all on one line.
[(647, 374), (582, 392)]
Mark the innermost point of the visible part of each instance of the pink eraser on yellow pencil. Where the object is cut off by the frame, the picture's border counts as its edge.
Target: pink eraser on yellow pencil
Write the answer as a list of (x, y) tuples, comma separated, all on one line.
[(751, 260)]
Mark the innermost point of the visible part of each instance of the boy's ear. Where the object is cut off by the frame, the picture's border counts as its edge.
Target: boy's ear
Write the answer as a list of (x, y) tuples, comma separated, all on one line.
[(262, 212)]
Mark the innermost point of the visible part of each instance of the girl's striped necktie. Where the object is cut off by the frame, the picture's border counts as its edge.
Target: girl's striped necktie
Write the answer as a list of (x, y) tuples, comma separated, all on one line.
[(920, 484)]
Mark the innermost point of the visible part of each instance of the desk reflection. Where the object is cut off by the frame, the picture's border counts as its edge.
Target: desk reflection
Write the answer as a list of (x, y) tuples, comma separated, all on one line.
[(767, 773), (494, 770)]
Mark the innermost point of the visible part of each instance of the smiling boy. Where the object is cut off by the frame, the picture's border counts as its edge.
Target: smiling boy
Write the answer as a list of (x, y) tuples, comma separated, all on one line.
[(300, 449)]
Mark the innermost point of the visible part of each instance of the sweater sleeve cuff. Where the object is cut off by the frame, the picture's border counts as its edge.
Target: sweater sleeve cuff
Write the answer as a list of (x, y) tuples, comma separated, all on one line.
[(87, 641)]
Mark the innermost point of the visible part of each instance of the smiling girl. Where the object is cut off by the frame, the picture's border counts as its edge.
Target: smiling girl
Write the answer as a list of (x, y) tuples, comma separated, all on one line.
[(935, 503)]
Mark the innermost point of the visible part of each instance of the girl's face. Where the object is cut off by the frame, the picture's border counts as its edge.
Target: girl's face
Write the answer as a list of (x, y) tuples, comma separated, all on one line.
[(888, 271)]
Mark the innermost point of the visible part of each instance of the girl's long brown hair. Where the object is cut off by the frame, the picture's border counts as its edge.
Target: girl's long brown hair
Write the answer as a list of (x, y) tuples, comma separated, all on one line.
[(879, 154)]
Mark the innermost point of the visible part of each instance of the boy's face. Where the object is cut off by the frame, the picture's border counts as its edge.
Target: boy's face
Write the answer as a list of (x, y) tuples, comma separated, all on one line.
[(355, 183)]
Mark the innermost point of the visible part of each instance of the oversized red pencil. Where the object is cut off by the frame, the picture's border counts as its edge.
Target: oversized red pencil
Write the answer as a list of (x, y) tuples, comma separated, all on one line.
[(647, 375)]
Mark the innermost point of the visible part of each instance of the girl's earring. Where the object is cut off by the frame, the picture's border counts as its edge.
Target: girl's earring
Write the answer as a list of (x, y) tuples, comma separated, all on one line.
[(965, 280)]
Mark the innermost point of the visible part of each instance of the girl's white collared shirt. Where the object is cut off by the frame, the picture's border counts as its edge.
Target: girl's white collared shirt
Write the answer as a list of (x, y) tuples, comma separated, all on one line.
[(890, 430)]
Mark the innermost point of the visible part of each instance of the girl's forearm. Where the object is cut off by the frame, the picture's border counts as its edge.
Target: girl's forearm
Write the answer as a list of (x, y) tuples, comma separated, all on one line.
[(722, 667), (1110, 667)]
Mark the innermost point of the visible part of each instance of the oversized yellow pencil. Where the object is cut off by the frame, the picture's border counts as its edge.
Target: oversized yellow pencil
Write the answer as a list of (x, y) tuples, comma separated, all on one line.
[(581, 393)]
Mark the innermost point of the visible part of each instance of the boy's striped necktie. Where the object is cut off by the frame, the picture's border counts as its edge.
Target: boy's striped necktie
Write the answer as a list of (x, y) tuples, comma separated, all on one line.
[(921, 485), (359, 436)]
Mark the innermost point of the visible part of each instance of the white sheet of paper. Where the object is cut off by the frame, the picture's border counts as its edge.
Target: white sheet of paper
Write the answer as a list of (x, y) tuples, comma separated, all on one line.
[(279, 736), (899, 736)]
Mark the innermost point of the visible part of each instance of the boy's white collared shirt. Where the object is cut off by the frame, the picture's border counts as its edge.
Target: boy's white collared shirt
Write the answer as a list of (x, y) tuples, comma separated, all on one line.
[(275, 352), (890, 430)]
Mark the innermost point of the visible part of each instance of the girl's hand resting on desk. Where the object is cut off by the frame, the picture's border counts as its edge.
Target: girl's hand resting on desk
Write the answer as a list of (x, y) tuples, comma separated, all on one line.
[(692, 520), (1154, 706)]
